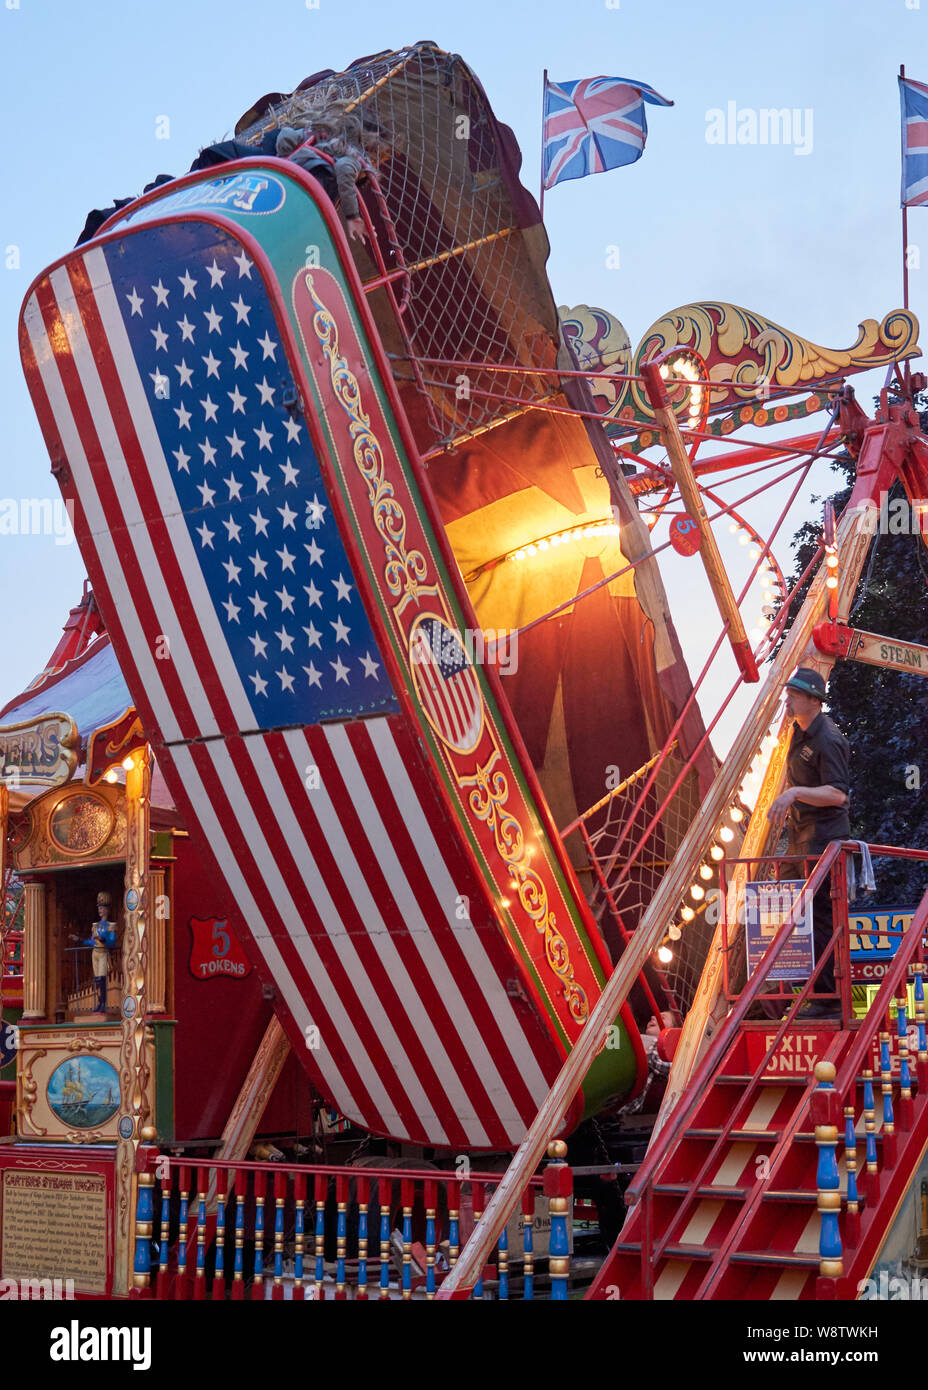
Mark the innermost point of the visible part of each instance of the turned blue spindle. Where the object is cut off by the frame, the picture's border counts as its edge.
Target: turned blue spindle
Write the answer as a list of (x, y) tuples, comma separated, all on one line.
[(341, 1235), (454, 1223), (528, 1242), (164, 1237), (144, 1216), (320, 1247), (558, 1185), (238, 1268), (299, 1233), (363, 1236), (850, 1160), (918, 971), (407, 1200), (385, 1248), (828, 1184), (902, 1040), (504, 1263), (182, 1234), (278, 1238), (430, 1198), (870, 1122), (886, 1084), (199, 1287), (257, 1287)]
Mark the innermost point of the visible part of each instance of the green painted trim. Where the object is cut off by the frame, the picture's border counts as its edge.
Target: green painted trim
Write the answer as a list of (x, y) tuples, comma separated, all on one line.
[(163, 1031), (612, 1073), (10, 1014)]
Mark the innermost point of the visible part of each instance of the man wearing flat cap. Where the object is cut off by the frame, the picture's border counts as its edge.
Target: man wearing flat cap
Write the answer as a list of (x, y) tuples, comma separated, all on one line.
[(816, 803)]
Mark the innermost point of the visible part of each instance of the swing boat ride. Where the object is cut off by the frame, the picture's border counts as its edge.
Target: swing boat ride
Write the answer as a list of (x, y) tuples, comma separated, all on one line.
[(374, 720)]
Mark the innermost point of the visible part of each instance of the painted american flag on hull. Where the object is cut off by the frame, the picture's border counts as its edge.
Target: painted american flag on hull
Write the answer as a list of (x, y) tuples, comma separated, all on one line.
[(209, 535), (264, 564)]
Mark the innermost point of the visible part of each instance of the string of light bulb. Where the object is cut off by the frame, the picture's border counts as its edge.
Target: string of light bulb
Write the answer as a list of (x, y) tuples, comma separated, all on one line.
[(697, 892), (588, 530)]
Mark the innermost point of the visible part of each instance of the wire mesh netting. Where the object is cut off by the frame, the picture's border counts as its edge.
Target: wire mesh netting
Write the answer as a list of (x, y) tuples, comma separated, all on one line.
[(632, 851), (466, 231)]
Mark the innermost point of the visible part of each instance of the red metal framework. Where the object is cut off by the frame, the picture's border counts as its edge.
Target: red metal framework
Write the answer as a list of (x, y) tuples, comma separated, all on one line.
[(652, 1240)]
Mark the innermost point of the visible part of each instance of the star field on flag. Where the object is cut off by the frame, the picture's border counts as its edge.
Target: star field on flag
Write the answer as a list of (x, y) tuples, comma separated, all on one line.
[(241, 462)]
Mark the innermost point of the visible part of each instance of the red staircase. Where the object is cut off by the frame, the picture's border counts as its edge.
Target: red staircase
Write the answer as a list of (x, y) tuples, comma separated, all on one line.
[(729, 1201)]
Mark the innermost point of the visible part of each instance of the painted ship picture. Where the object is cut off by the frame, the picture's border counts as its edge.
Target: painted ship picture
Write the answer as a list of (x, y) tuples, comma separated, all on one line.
[(84, 1093)]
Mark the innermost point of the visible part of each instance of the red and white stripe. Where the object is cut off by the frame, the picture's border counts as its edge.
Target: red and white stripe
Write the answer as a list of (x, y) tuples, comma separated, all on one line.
[(345, 887)]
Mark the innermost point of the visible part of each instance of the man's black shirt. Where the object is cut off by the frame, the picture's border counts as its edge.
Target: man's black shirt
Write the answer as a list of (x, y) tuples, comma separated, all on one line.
[(818, 757)]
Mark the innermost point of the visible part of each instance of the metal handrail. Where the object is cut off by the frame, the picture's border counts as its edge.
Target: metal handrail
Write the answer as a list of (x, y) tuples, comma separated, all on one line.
[(726, 1035)]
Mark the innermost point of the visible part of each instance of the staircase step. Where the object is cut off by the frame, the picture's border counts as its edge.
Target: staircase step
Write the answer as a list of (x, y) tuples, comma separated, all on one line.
[(739, 1135), (677, 1251), (742, 1080), (706, 1191), (790, 1260), (689, 1252)]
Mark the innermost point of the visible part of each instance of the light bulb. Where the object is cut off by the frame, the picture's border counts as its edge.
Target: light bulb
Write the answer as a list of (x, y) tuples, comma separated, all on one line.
[(726, 834), (520, 554), (717, 852), (705, 872), (733, 528), (665, 955), (687, 913), (697, 892), (736, 814), (128, 763), (112, 776), (831, 582), (674, 932), (743, 538)]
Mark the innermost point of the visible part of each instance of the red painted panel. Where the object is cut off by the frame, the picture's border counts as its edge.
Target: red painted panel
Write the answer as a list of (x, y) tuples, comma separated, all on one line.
[(220, 1023)]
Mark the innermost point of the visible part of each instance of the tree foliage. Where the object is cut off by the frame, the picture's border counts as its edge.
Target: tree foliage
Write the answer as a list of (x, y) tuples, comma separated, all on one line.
[(883, 713)]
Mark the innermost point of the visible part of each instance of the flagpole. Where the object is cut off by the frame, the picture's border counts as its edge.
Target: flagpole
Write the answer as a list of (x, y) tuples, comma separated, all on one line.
[(905, 221), (541, 200)]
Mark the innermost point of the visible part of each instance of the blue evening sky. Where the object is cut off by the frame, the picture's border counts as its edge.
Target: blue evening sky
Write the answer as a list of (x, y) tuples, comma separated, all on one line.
[(810, 240)]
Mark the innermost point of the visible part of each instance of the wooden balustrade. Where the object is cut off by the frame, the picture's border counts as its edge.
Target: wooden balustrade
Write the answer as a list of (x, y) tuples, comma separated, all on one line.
[(246, 1223)]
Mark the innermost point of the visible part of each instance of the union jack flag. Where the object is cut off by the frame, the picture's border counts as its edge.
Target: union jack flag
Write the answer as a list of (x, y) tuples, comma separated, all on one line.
[(594, 124), (914, 99)]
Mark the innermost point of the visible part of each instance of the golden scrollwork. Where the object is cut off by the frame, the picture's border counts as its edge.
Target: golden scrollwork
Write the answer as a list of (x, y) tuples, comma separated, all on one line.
[(29, 1092), (487, 801), (86, 1136), (84, 1044), (747, 354), (747, 351), (405, 569)]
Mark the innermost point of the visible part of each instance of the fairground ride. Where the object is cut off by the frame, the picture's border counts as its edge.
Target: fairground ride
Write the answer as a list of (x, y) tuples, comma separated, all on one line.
[(369, 529)]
